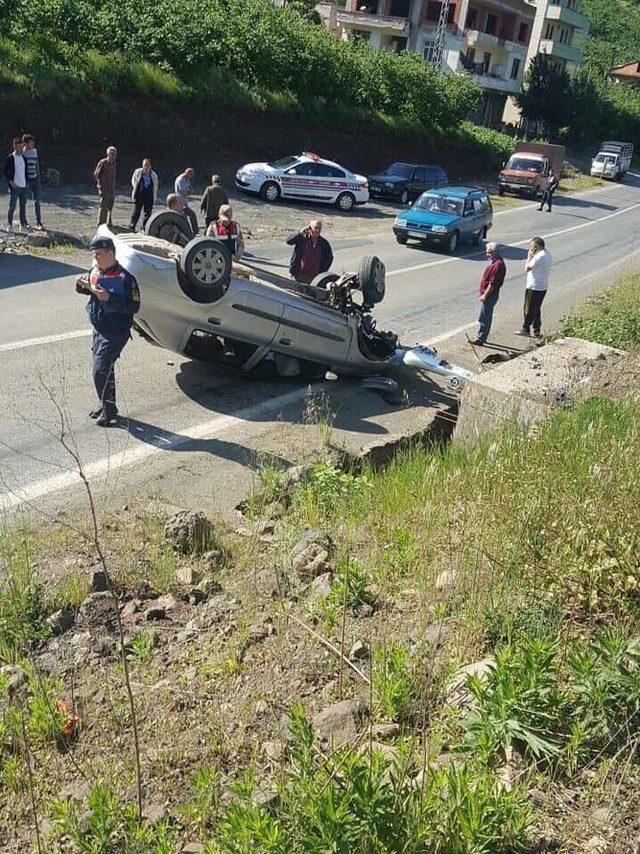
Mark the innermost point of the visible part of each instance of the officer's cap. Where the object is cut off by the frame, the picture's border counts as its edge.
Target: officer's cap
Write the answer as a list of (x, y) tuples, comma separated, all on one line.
[(99, 242)]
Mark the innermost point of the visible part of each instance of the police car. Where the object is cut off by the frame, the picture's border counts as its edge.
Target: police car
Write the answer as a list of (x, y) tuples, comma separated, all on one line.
[(305, 176)]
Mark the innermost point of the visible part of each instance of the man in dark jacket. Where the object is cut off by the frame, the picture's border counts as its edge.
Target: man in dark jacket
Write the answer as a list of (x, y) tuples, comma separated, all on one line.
[(114, 298), (144, 191), (212, 199), (15, 173), (489, 291), (549, 189), (312, 254), (105, 175)]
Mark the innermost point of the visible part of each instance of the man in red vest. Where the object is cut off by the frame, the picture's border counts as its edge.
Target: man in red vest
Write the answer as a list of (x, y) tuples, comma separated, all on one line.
[(228, 231)]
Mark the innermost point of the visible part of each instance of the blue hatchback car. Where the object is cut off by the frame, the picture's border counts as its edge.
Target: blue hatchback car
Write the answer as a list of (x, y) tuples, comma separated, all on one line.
[(446, 216)]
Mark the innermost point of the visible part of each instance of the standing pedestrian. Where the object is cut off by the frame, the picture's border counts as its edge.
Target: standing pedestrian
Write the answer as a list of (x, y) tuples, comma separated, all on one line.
[(15, 173), (114, 298), (537, 267), (30, 153), (182, 188), (212, 198), (144, 191), (489, 291), (548, 190), (105, 175), (228, 231), (175, 204), (312, 254)]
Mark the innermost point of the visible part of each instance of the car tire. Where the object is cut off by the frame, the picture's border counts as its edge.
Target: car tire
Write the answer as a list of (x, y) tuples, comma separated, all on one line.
[(480, 236), (169, 226), (402, 239), (270, 191), (345, 202), (404, 198), (452, 242), (206, 267), (501, 191), (371, 275)]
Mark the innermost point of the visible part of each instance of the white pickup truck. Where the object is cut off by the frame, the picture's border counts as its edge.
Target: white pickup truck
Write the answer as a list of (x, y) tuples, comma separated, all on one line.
[(613, 160)]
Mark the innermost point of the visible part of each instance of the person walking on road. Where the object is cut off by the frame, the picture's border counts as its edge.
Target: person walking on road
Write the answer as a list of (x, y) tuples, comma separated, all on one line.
[(312, 254), (228, 231), (212, 199), (30, 154), (144, 191), (114, 298), (549, 189), (489, 291), (15, 173), (537, 268), (105, 175), (182, 188)]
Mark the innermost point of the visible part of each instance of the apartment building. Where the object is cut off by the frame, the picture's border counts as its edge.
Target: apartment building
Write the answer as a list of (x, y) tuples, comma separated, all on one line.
[(486, 38)]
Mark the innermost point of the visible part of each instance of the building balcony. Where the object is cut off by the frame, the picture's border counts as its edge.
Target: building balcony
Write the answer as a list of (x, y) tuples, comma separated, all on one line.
[(558, 50), (564, 15), (478, 38), (496, 82), (367, 21)]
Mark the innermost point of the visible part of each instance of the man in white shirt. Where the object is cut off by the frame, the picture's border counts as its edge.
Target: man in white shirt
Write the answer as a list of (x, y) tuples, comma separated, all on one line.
[(15, 173), (537, 268)]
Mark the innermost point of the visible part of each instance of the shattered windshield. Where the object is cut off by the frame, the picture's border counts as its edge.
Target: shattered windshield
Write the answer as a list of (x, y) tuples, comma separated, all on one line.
[(440, 204)]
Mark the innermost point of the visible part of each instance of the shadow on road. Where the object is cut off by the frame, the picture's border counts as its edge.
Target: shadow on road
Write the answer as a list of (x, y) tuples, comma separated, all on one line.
[(28, 269)]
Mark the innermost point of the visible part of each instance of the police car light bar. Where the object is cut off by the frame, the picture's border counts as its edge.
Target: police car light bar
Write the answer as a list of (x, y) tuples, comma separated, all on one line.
[(312, 155)]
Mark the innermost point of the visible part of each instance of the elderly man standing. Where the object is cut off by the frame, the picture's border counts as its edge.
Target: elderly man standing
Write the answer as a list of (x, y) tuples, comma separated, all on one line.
[(312, 254), (105, 175), (489, 291), (212, 199), (182, 188), (144, 191)]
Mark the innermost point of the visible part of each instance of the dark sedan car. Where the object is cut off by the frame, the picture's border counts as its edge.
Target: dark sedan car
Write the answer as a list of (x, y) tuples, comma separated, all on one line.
[(404, 182)]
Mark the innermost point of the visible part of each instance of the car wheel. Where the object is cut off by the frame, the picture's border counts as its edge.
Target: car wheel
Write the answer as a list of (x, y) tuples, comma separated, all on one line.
[(270, 191), (325, 279), (371, 274), (206, 264), (169, 226), (480, 236), (345, 202), (404, 198), (401, 238), (452, 242), (501, 191)]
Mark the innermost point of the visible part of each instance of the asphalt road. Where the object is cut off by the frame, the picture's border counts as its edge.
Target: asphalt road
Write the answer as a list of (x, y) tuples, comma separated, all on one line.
[(192, 431)]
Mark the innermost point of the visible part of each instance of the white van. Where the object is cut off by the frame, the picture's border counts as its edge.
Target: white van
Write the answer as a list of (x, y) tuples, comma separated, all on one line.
[(612, 161)]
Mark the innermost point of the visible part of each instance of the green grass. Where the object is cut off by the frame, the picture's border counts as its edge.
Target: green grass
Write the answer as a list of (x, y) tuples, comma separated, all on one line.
[(611, 317)]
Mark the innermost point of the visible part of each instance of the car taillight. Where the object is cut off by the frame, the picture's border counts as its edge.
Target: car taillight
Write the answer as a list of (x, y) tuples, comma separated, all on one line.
[(363, 184)]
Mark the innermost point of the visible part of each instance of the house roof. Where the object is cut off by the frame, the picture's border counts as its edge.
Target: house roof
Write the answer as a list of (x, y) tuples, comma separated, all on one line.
[(628, 69)]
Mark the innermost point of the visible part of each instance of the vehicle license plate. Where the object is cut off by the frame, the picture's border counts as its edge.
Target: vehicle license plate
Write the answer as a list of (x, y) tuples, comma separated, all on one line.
[(416, 233)]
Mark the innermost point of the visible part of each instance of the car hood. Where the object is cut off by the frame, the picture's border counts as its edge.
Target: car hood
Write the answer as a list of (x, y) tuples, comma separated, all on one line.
[(388, 179), (257, 167), (417, 216)]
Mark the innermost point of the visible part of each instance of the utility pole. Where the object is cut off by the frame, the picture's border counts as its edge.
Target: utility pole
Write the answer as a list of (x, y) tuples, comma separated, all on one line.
[(438, 50)]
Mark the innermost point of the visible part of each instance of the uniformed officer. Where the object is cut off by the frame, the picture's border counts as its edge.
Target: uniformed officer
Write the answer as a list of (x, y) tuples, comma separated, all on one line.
[(114, 299)]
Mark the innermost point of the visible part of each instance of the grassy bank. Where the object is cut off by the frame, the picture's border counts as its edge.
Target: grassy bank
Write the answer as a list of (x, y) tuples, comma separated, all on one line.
[(611, 317)]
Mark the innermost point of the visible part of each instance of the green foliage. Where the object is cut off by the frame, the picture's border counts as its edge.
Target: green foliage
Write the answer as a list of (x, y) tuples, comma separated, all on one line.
[(396, 682), (21, 596), (326, 485), (357, 803), (104, 825), (142, 647), (546, 98), (612, 317), (350, 588)]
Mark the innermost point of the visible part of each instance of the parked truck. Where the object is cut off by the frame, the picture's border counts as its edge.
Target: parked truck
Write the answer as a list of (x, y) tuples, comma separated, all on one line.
[(527, 169), (612, 161)]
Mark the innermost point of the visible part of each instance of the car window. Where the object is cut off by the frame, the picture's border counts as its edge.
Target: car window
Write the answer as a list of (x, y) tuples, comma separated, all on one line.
[(326, 171), (478, 207), (468, 206), (303, 169), (439, 204), (421, 175), (401, 170), (283, 162)]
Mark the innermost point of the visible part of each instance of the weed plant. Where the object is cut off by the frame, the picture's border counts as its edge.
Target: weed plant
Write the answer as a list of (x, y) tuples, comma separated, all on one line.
[(611, 317)]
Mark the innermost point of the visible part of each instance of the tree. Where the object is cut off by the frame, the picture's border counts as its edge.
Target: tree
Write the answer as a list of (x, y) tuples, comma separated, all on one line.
[(546, 99)]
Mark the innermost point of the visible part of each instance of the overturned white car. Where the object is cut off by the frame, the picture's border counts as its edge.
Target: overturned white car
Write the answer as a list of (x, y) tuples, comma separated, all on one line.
[(194, 301)]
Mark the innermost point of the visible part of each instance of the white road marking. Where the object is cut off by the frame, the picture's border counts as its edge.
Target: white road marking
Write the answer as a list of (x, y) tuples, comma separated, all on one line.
[(451, 333), (46, 339), (130, 456)]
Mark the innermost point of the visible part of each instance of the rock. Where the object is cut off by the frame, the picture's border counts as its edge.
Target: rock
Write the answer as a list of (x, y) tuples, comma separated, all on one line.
[(436, 634), (168, 602), (189, 532), (447, 580), (594, 845), (81, 640), (99, 581), (363, 610), (154, 613), (98, 610), (211, 560), (130, 609), (74, 792), (104, 646), (189, 576), (192, 848), (207, 587), (341, 721), (268, 581), (14, 676), (154, 812), (264, 797), (261, 708), (60, 621), (382, 731), (265, 526), (321, 586), (51, 177), (311, 555), (602, 818), (457, 692), (39, 238), (513, 767), (273, 750), (359, 652)]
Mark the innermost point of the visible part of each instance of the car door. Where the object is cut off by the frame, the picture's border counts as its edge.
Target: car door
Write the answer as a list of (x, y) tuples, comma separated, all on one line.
[(331, 181), (418, 183), (313, 332), (297, 181), (468, 218)]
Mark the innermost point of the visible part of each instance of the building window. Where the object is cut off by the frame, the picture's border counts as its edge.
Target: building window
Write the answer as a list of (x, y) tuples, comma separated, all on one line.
[(565, 36), (429, 52), (397, 44), (471, 54), (433, 11), (523, 32), (368, 6), (515, 69), (492, 25), (548, 33), (400, 8), (486, 63), (472, 19), (360, 35)]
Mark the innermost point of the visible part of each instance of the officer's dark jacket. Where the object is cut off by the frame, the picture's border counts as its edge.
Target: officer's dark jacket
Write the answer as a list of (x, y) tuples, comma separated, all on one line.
[(116, 313)]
